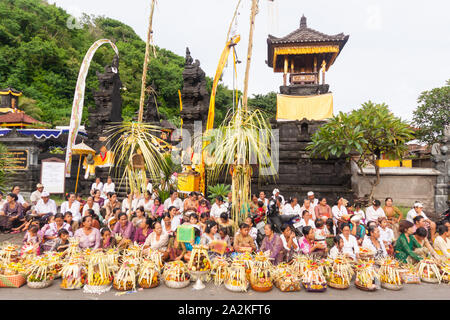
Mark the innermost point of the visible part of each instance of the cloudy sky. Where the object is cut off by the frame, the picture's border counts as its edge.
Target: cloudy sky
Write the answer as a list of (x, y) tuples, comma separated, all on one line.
[(396, 49)]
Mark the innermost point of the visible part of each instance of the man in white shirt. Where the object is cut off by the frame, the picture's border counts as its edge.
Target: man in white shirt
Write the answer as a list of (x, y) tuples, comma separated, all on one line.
[(97, 185), (374, 212), (292, 208), (37, 194), (314, 202), (417, 210), (174, 201), (276, 194), (45, 207), (217, 208)]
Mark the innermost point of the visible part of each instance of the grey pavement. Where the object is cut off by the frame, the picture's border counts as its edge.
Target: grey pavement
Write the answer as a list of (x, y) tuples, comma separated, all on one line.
[(408, 292)]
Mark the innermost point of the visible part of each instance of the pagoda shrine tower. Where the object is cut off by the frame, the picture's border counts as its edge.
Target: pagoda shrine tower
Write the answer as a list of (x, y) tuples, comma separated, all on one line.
[(303, 104), (305, 54)]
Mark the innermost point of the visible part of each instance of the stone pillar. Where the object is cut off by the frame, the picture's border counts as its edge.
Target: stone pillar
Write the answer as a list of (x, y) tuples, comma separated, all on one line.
[(441, 159)]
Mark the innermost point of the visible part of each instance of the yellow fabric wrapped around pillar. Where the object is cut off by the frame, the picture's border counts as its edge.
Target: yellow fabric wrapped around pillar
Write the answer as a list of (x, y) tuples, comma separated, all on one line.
[(317, 107)]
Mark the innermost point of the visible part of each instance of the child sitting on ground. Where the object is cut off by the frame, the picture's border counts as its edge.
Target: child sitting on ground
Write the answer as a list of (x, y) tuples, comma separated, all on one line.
[(107, 241), (31, 239), (226, 238), (62, 243), (320, 233)]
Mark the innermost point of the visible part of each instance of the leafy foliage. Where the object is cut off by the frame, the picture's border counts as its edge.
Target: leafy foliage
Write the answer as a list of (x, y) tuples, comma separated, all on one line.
[(29, 106), (266, 102), (363, 135), (41, 56), (433, 114), (218, 190)]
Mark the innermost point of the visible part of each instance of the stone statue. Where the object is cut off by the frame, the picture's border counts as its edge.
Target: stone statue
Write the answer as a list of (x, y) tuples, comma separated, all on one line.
[(441, 159), (195, 96), (188, 57), (436, 149)]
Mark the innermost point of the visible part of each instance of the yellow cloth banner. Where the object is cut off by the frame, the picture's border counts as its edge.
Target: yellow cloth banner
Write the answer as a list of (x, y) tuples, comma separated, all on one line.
[(303, 50), (318, 107)]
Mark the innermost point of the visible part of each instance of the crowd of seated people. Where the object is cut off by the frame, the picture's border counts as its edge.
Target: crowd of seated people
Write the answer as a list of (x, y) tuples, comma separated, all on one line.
[(100, 221)]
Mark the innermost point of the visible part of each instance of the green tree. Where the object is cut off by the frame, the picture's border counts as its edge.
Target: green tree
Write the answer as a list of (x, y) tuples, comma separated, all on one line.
[(362, 136), (433, 114), (30, 107), (266, 102)]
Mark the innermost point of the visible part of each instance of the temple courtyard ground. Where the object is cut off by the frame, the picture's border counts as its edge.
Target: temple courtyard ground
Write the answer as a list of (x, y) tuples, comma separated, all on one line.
[(408, 292)]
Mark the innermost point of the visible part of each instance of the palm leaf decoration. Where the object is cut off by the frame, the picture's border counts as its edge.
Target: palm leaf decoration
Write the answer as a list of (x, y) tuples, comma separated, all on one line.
[(242, 142), (132, 138)]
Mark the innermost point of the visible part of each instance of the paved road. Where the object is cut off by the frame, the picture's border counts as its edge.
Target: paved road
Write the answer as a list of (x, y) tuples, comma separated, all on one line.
[(408, 292)]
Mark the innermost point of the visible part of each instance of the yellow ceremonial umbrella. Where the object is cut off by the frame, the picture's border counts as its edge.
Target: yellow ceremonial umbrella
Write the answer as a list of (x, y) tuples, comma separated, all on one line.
[(82, 149)]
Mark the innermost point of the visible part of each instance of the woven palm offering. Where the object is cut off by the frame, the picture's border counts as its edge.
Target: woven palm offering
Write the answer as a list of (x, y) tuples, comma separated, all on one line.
[(73, 249), (55, 263), (236, 277), (39, 274), (247, 259), (300, 263), (99, 274), (445, 268), (148, 274), (73, 274), (219, 270), (199, 260), (313, 279), (365, 276), (125, 278), (28, 253), (261, 278), (409, 274), (154, 255), (285, 278), (389, 274), (366, 254), (429, 271), (134, 250), (341, 273), (326, 267), (112, 257), (176, 275), (12, 275), (9, 252)]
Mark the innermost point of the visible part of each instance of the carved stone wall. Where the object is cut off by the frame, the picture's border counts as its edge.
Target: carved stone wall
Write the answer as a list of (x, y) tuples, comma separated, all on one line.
[(299, 173), (108, 105), (194, 95)]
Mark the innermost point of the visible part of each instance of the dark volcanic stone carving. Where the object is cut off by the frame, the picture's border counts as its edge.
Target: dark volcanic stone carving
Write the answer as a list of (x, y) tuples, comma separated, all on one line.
[(108, 105), (195, 96)]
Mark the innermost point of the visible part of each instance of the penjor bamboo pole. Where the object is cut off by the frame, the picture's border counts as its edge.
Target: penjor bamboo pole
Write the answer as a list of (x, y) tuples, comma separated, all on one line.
[(249, 53), (146, 60)]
